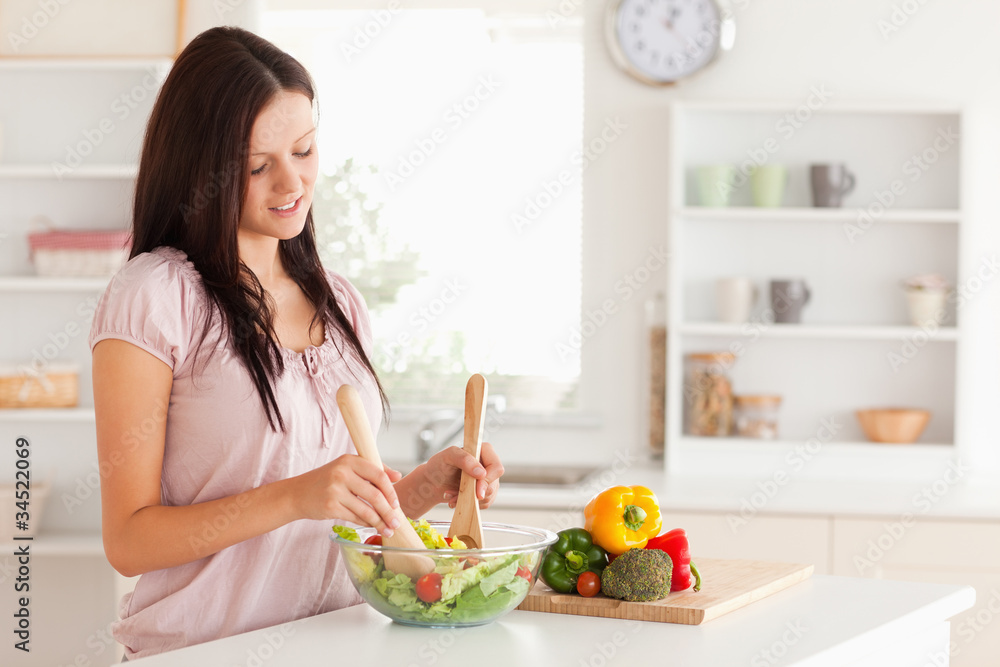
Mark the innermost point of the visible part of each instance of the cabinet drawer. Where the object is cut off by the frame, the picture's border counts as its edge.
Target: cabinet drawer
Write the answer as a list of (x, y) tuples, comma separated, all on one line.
[(867, 544), (788, 539)]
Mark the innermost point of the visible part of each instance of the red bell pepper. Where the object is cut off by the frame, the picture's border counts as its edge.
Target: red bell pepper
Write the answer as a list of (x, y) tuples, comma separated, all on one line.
[(675, 544)]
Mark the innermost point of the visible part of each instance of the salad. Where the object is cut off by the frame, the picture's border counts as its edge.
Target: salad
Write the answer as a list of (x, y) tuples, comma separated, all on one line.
[(461, 590)]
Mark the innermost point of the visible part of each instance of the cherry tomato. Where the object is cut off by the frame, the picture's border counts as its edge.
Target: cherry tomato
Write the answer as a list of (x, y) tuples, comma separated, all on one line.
[(429, 587), (374, 539), (588, 584), (524, 573)]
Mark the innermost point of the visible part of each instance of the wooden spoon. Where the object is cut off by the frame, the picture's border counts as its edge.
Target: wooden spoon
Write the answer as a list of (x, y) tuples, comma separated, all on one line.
[(466, 523), (412, 565)]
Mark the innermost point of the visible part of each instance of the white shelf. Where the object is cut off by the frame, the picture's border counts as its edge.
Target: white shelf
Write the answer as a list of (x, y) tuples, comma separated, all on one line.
[(834, 106), (838, 361), (40, 284), (60, 64), (61, 415), (84, 171), (817, 331), (63, 544), (843, 446), (798, 461), (808, 214)]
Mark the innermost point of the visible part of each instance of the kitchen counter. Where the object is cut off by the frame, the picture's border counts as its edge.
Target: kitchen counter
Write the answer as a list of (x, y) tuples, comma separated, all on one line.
[(822, 622), (956, 494)]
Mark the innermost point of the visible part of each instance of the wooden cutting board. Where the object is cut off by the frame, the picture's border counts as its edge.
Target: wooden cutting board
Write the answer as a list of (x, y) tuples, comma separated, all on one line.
[(726, 585)]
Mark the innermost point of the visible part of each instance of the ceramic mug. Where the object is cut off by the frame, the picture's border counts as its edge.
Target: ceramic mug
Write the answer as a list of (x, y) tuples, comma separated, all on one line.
[(830, 184), (734, 299), (715, 184), (767, 185), (788, 297)]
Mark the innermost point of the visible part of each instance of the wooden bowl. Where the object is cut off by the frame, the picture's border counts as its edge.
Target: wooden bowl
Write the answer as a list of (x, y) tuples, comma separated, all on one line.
[(893, 425)]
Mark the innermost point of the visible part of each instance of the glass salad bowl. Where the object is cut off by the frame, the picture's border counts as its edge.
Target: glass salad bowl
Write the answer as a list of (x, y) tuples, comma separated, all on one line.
[(467, 586)]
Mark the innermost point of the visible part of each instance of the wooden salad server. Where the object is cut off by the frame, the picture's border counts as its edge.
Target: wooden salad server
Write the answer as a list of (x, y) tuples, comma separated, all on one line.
[(466, 523), (412, 565)]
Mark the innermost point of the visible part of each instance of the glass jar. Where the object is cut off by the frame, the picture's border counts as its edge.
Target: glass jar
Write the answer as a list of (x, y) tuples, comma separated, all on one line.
[(656, 367), (757, 416), (708, 394)]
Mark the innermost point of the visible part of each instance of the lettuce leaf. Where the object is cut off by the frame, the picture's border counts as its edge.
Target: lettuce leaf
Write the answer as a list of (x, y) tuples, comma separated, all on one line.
[(347, 533)]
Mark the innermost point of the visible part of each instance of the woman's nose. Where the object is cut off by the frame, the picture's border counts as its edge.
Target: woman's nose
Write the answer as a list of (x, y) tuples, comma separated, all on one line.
[(286, 177)]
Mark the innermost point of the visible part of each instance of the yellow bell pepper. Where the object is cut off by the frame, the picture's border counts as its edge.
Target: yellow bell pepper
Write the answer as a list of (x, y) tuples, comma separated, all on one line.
[(622, 518)]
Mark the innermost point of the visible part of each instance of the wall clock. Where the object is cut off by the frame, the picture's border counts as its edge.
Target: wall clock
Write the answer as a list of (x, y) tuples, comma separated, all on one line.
[(660, 42)]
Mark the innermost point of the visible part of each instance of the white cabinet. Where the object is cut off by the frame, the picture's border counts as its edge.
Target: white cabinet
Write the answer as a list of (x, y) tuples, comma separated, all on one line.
[(787, 539), (854, 347), (72, 132), (946, 552)]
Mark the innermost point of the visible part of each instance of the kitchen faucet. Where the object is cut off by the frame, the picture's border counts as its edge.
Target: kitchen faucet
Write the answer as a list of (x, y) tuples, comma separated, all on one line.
[(432, 439)]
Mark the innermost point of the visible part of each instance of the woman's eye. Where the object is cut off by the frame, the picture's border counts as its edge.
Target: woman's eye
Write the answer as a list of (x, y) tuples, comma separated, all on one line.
[(258, 170), (305, 154)]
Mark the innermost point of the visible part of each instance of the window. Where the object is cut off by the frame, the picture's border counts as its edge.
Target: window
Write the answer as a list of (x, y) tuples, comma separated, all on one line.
[(450, 193)]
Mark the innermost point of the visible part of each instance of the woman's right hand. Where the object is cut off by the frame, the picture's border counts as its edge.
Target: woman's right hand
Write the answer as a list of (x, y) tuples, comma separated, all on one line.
[(350, 489)]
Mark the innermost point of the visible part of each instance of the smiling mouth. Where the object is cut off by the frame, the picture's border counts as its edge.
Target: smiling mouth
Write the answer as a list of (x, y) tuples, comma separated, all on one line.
[(287, 207)]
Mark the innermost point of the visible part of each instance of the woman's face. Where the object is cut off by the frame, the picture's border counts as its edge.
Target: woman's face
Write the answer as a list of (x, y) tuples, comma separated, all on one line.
[(283, 167)]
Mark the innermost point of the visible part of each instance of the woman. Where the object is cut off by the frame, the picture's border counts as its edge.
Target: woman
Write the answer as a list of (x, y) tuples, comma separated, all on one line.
[(217, 352)]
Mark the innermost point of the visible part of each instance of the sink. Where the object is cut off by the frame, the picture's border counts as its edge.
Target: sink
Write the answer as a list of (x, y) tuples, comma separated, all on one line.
[(534, 474), (547, 475)]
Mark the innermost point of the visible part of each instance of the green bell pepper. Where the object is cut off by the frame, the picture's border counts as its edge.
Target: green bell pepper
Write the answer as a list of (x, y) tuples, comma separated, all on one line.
[(572, 554)]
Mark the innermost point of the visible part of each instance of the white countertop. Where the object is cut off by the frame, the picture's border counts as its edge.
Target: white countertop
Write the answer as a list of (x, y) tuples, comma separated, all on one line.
[(822, 622), (950, 496)]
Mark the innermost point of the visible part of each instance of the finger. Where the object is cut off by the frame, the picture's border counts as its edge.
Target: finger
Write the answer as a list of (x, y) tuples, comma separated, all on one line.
[(468, 464), (379, 479), (367, 515), (381, 516), (374, 497), (491, 495), (490, 460), (394, 475)]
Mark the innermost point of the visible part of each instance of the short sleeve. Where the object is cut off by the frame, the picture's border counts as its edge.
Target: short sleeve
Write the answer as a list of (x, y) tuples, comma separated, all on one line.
[(151, 302), (353, 304)]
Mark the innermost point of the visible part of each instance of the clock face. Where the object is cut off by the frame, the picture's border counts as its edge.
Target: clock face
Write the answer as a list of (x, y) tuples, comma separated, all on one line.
[(666, 40)]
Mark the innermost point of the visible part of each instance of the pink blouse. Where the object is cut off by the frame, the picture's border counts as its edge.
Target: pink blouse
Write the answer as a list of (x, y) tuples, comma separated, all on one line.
[(218, 444)]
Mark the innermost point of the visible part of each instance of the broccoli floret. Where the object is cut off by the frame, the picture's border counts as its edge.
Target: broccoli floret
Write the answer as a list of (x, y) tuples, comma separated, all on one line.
[(638, 575)]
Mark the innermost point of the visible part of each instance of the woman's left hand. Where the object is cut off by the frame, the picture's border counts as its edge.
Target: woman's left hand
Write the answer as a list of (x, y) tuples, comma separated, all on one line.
[(444, 471)]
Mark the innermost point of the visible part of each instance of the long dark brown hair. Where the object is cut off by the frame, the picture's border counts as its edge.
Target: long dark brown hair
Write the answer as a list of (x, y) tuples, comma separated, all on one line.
[(193, 178)]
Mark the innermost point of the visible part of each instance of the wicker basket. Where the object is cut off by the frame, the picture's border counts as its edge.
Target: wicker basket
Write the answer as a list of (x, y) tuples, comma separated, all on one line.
[(94, 253), (52, 386)]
